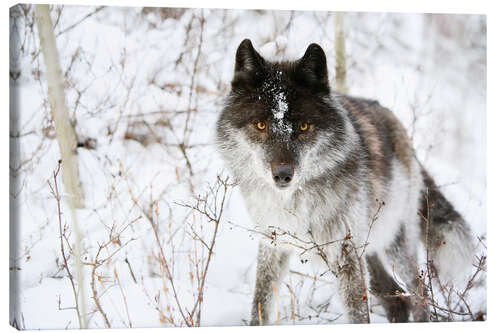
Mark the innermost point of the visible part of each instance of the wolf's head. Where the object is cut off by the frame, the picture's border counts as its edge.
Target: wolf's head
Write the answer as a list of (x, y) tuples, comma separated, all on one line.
[(280, 125)]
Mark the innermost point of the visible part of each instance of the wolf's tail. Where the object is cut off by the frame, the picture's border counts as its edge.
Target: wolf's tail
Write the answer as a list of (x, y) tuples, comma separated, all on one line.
[(446, 235)]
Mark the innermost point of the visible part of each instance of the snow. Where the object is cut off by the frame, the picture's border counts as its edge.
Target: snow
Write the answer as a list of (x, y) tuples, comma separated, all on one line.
[(274, 89), (129, 75), (279, 114)]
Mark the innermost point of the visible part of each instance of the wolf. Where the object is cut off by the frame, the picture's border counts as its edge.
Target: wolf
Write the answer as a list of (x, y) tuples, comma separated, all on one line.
[(334, 180)]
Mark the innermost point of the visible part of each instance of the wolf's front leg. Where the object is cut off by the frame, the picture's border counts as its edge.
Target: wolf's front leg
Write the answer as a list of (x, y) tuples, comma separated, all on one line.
[(272, 265), (352, 281)]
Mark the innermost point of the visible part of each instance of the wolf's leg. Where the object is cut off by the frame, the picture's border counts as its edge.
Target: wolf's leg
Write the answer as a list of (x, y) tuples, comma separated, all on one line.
[(401, 257), (352, 283), (271, 267), (420, 309), (383, 285)]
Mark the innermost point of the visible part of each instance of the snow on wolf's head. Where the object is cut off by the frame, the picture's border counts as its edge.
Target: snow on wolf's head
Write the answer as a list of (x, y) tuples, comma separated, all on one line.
[(280, 127)]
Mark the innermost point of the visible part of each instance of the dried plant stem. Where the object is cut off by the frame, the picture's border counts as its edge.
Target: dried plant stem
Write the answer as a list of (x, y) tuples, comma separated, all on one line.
[(165, 266), (161, 256), (95, 297), (209, 207), (79, 266), (193, 78), (124, 297), (55, 193), (98, 9), (97, 263), (427, 255)]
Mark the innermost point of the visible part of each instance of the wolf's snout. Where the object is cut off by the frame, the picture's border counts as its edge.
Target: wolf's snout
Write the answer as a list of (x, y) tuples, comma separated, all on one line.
[(282, 174)]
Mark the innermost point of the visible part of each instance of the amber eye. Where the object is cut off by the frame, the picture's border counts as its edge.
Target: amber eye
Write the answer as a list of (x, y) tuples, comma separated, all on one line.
[(304, 127), (261, 125)]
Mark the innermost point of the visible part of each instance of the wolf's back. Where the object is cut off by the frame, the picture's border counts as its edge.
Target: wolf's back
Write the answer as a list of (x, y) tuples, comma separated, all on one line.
[(446, 235)]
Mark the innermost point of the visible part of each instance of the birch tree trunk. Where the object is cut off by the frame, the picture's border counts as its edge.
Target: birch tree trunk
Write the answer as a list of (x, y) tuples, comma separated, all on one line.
[(66, 139), (340, 65)]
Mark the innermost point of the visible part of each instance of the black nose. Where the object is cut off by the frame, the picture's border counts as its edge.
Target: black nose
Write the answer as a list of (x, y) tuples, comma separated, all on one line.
[(282, 174)]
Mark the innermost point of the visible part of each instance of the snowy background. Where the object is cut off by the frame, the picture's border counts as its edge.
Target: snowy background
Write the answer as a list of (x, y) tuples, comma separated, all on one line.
[(144, 87)]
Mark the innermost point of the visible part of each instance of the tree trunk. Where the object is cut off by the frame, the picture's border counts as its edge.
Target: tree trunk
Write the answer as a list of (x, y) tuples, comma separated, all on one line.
[(66, 139), (340, 65)]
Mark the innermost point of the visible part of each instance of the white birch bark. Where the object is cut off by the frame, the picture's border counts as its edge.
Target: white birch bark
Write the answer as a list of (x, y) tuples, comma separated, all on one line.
[(66, 139), (340, 62)]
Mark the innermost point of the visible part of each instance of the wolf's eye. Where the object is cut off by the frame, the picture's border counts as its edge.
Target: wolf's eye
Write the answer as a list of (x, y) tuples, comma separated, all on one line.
[(261, 125), (304, 127)]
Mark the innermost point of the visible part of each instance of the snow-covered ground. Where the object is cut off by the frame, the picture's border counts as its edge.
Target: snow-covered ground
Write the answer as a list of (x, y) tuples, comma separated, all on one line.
[(147, 86)]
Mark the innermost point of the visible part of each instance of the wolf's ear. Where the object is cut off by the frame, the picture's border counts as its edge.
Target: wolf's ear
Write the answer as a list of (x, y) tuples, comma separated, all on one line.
[(313, 67), (247, 59)]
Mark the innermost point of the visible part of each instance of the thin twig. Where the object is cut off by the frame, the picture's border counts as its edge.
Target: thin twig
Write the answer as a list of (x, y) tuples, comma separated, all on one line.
[(72, 26), (55, 193)]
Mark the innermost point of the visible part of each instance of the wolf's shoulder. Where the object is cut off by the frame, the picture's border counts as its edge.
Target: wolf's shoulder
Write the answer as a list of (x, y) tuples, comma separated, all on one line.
[(379, 126), (366, 106)]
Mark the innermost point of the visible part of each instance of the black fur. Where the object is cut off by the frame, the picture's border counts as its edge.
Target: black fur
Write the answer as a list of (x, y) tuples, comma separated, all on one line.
[(389, 292)]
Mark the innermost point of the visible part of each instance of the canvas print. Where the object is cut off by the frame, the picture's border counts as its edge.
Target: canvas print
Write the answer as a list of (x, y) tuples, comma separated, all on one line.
[(184, 167)]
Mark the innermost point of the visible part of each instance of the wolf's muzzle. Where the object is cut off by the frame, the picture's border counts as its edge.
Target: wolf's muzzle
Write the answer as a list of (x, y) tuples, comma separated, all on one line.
[(282, 174)]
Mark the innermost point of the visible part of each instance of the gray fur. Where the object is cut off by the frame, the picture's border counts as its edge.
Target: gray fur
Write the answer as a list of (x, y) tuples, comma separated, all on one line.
[(388, 290), (271, 267), (445, 233), (355, 185)]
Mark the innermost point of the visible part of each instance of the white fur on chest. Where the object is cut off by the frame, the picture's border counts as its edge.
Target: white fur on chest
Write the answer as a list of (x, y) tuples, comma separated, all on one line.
[(296, 220), (301, 221), (278, 210)]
